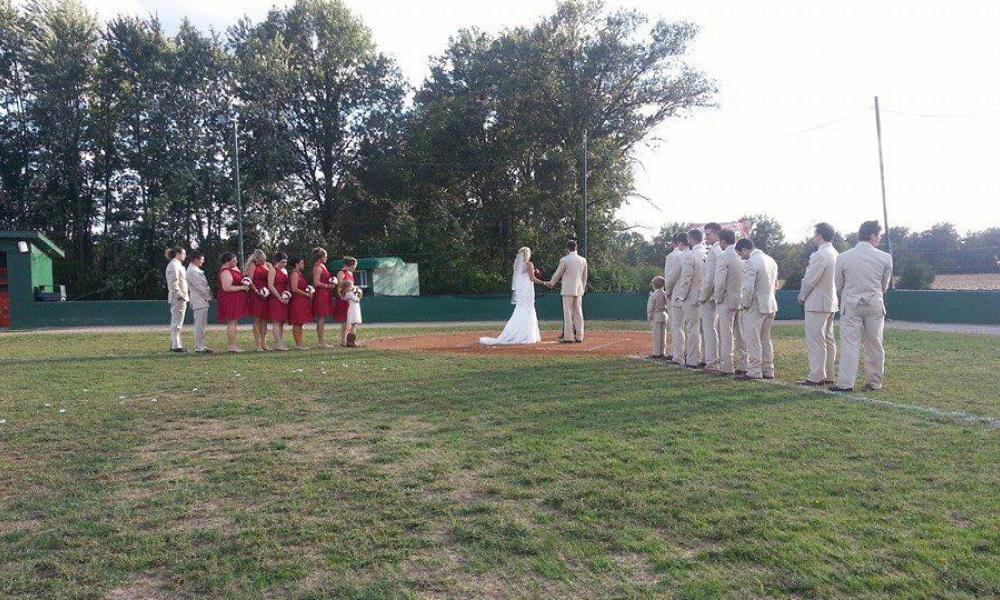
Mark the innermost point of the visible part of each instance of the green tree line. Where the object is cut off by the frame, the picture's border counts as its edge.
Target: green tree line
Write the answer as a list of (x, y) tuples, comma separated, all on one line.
[(113, 139)]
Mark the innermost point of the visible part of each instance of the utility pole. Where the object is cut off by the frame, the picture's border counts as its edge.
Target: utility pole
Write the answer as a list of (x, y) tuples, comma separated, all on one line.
[(583, 207), (224, 120), (239, 199), (881, 171)]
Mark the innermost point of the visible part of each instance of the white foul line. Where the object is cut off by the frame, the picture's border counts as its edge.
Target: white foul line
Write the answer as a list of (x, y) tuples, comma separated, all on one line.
[(953, 415)]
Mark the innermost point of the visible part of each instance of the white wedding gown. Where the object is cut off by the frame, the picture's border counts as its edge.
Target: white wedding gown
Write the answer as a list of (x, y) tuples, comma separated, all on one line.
[(522, 327)]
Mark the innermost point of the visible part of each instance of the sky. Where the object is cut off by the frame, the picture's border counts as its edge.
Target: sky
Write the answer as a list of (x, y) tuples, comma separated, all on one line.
[(794, 131)]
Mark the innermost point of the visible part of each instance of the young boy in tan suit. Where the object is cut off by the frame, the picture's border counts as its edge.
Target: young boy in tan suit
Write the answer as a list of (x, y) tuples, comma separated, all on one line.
[(656, 314)]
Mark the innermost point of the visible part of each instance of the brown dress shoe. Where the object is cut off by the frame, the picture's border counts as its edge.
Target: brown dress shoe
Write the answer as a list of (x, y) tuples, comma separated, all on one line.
[(809, 382)]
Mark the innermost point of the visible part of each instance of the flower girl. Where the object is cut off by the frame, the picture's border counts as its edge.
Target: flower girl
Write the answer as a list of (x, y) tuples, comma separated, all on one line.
[(352, 296)]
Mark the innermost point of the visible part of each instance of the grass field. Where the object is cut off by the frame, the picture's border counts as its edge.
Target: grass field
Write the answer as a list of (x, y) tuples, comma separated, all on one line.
[(128, 473)]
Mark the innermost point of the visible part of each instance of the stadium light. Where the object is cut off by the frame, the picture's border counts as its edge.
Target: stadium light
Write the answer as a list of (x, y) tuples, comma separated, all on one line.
[(224, 120)]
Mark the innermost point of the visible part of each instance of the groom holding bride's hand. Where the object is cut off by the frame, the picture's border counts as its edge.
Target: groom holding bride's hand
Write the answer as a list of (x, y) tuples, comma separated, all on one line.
[(572, 271)]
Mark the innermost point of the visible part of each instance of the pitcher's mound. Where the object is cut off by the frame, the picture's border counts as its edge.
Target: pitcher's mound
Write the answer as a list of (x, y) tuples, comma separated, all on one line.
[(597, 343)]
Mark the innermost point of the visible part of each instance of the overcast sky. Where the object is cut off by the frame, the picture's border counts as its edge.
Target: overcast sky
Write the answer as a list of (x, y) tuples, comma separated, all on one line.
[(794, 134)]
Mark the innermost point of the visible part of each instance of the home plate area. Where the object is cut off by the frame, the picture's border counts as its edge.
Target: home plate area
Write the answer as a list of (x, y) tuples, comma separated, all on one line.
[(597, 343)]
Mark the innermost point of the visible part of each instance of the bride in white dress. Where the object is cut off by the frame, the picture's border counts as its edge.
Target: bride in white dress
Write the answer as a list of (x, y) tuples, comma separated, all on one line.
[(522, 328)]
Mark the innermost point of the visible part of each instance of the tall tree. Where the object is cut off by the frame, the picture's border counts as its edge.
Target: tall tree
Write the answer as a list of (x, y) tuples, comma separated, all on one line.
[(59, 64), (315, 91)]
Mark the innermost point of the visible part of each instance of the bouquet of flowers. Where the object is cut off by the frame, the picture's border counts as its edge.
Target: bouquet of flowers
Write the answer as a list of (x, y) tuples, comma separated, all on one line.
[(310, 290), (263, 292), (247, 282), (286, 295)]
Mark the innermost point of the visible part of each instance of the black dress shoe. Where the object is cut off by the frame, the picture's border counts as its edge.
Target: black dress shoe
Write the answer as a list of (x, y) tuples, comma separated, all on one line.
[(180, 350), (205, 351), (565, 341), (702, 365), (577, 341), (809, 382), (768, 377), (840, 390), (741, 371)]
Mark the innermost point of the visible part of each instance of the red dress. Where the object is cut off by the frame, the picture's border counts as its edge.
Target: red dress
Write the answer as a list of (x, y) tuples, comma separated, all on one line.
[(258, 305), (232, 305), (340, 306), (322, 300), (277, 311), (300, 307)]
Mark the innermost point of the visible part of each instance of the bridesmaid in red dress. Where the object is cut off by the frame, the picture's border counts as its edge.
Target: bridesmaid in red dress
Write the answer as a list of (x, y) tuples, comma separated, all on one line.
[(322, 300), (257, 269), (340, 305), (277, 302), (300, 307), (233, 298)]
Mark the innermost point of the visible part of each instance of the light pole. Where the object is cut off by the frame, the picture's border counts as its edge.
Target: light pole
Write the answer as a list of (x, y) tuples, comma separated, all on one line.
[(223, 120)]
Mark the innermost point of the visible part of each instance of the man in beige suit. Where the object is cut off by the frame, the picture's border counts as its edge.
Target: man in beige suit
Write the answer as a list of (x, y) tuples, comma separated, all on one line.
[(656, 314), (760, 305), (572, 270), (862, 276), (671, 272), (728, 290), (686, 294), (177, 295), (819, 298), (709, 313), (201, 299)]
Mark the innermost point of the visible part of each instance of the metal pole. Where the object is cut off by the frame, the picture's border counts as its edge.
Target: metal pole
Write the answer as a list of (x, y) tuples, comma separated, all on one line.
[(881, 171), (239, 199), (583, 209)]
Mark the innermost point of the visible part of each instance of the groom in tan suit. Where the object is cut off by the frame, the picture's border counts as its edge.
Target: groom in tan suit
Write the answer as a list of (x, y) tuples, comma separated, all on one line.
[(572, 270)]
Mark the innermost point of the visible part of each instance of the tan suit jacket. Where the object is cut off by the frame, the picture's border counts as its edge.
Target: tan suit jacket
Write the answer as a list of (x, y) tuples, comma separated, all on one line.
[(729, 270), (177, 286), (818, 292), (708, 279), (760, 282), (863, 274), (672, 270), (656, 307), (690, 280), (201, 293), (572, 270)]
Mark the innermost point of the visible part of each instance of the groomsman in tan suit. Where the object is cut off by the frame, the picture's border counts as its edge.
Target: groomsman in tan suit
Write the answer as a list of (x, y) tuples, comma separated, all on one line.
[(671, 273), (656, 314), (686, 294), (862, 276), (572, 270), (819, 298), (760, 305), (709, 314), (177, 295), (201, 299), (728, 290)]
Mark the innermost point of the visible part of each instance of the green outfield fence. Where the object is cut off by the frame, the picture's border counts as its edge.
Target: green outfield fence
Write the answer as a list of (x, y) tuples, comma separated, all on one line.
[(967, 307)]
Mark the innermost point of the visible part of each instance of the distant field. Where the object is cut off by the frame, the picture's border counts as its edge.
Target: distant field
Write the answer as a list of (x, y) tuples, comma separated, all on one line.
[(129, 473), (983, 281)]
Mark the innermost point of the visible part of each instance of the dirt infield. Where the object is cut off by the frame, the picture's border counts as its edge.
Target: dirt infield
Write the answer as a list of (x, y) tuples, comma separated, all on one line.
[(598, 343)]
